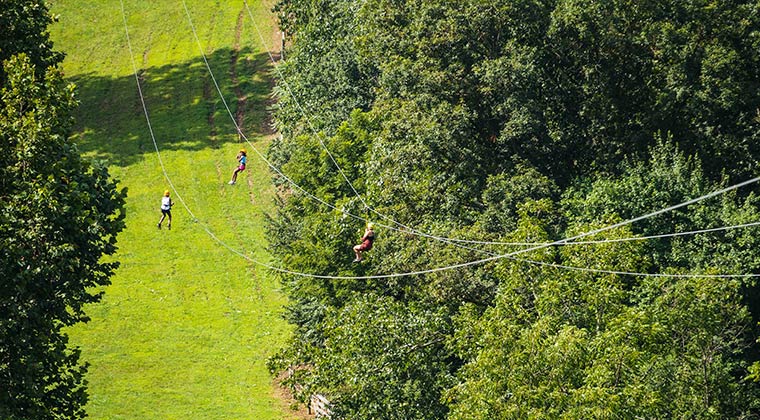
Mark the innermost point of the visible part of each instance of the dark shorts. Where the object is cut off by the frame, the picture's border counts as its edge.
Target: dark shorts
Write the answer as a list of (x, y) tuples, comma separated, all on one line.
[(166, 212)]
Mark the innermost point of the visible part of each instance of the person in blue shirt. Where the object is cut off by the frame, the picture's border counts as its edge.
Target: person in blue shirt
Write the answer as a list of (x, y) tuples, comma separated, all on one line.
[(242, 159)]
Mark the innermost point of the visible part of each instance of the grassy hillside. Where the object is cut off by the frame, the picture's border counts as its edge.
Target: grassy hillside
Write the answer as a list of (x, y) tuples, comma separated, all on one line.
[(184, 330)]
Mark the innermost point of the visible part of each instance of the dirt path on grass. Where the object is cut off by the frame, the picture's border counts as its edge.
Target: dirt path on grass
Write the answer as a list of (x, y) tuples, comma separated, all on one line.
[(280, 392), (140, 83), (234, 56), (241, 97)]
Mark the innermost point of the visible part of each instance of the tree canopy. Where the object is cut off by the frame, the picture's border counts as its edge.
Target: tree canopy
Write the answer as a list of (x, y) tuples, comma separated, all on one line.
[(521, 121), (59, 217)]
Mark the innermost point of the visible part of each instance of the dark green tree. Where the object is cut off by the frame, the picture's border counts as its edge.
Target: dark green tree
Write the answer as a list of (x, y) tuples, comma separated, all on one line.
[(322, 79), (512, 120), (25, 26), (383, 359), (571, 344), (59, 217)]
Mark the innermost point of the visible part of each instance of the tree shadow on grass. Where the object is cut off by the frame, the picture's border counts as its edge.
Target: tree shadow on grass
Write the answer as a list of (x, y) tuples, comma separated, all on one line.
[(186, 112)]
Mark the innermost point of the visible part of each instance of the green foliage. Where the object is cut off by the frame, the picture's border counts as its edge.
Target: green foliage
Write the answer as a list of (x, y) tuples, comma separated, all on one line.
[(426, 161), (529, 121), (505, 194), (59, 217), (670, 177), (384, 360), (25, 31), (562, 344), (322, 81)]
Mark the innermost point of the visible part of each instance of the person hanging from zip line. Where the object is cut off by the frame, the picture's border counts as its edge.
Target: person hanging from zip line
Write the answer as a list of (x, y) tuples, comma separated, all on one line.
[(367, 240), (166, 209), (242, 159)]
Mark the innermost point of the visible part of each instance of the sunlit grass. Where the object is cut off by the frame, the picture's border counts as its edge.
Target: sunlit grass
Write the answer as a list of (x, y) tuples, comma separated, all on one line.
[(184, 330)]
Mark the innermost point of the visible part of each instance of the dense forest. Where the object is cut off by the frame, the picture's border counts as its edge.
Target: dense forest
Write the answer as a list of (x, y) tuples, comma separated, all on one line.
[(504, 122)]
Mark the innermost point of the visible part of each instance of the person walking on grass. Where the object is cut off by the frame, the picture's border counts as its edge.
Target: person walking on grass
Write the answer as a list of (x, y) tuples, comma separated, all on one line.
[(166, 210), (366, 245), (242, 159)]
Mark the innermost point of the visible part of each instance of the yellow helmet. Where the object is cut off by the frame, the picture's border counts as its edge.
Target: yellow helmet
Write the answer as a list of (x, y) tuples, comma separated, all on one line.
[(243, 151), (166, 193), (370, 225)]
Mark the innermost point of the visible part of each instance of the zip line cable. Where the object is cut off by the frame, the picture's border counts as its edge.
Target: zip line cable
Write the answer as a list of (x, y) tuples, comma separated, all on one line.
[(407, 229), (627, 273), (630, 273), (639, 218), (259, 154), (404, 229), (428, 271), (593, 232), (632, 238), (665, 235), (582, 235)]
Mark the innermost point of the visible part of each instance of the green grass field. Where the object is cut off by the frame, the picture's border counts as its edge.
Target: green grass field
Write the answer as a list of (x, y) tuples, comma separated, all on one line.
[(185, 328)]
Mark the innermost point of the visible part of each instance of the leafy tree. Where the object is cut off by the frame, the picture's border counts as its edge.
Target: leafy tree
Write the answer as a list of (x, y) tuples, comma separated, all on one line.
[(59, 217), (574, 86), (577, 345), (322, 79), (520, 121), (307, 234), (384, 360), (666, 178), (24, 26)]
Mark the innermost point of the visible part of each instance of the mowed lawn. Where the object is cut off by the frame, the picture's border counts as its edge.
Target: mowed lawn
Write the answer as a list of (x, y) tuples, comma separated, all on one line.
[(185, 328)]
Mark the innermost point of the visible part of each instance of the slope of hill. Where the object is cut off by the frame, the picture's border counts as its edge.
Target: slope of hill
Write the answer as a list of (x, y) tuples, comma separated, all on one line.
[(184, 330)]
